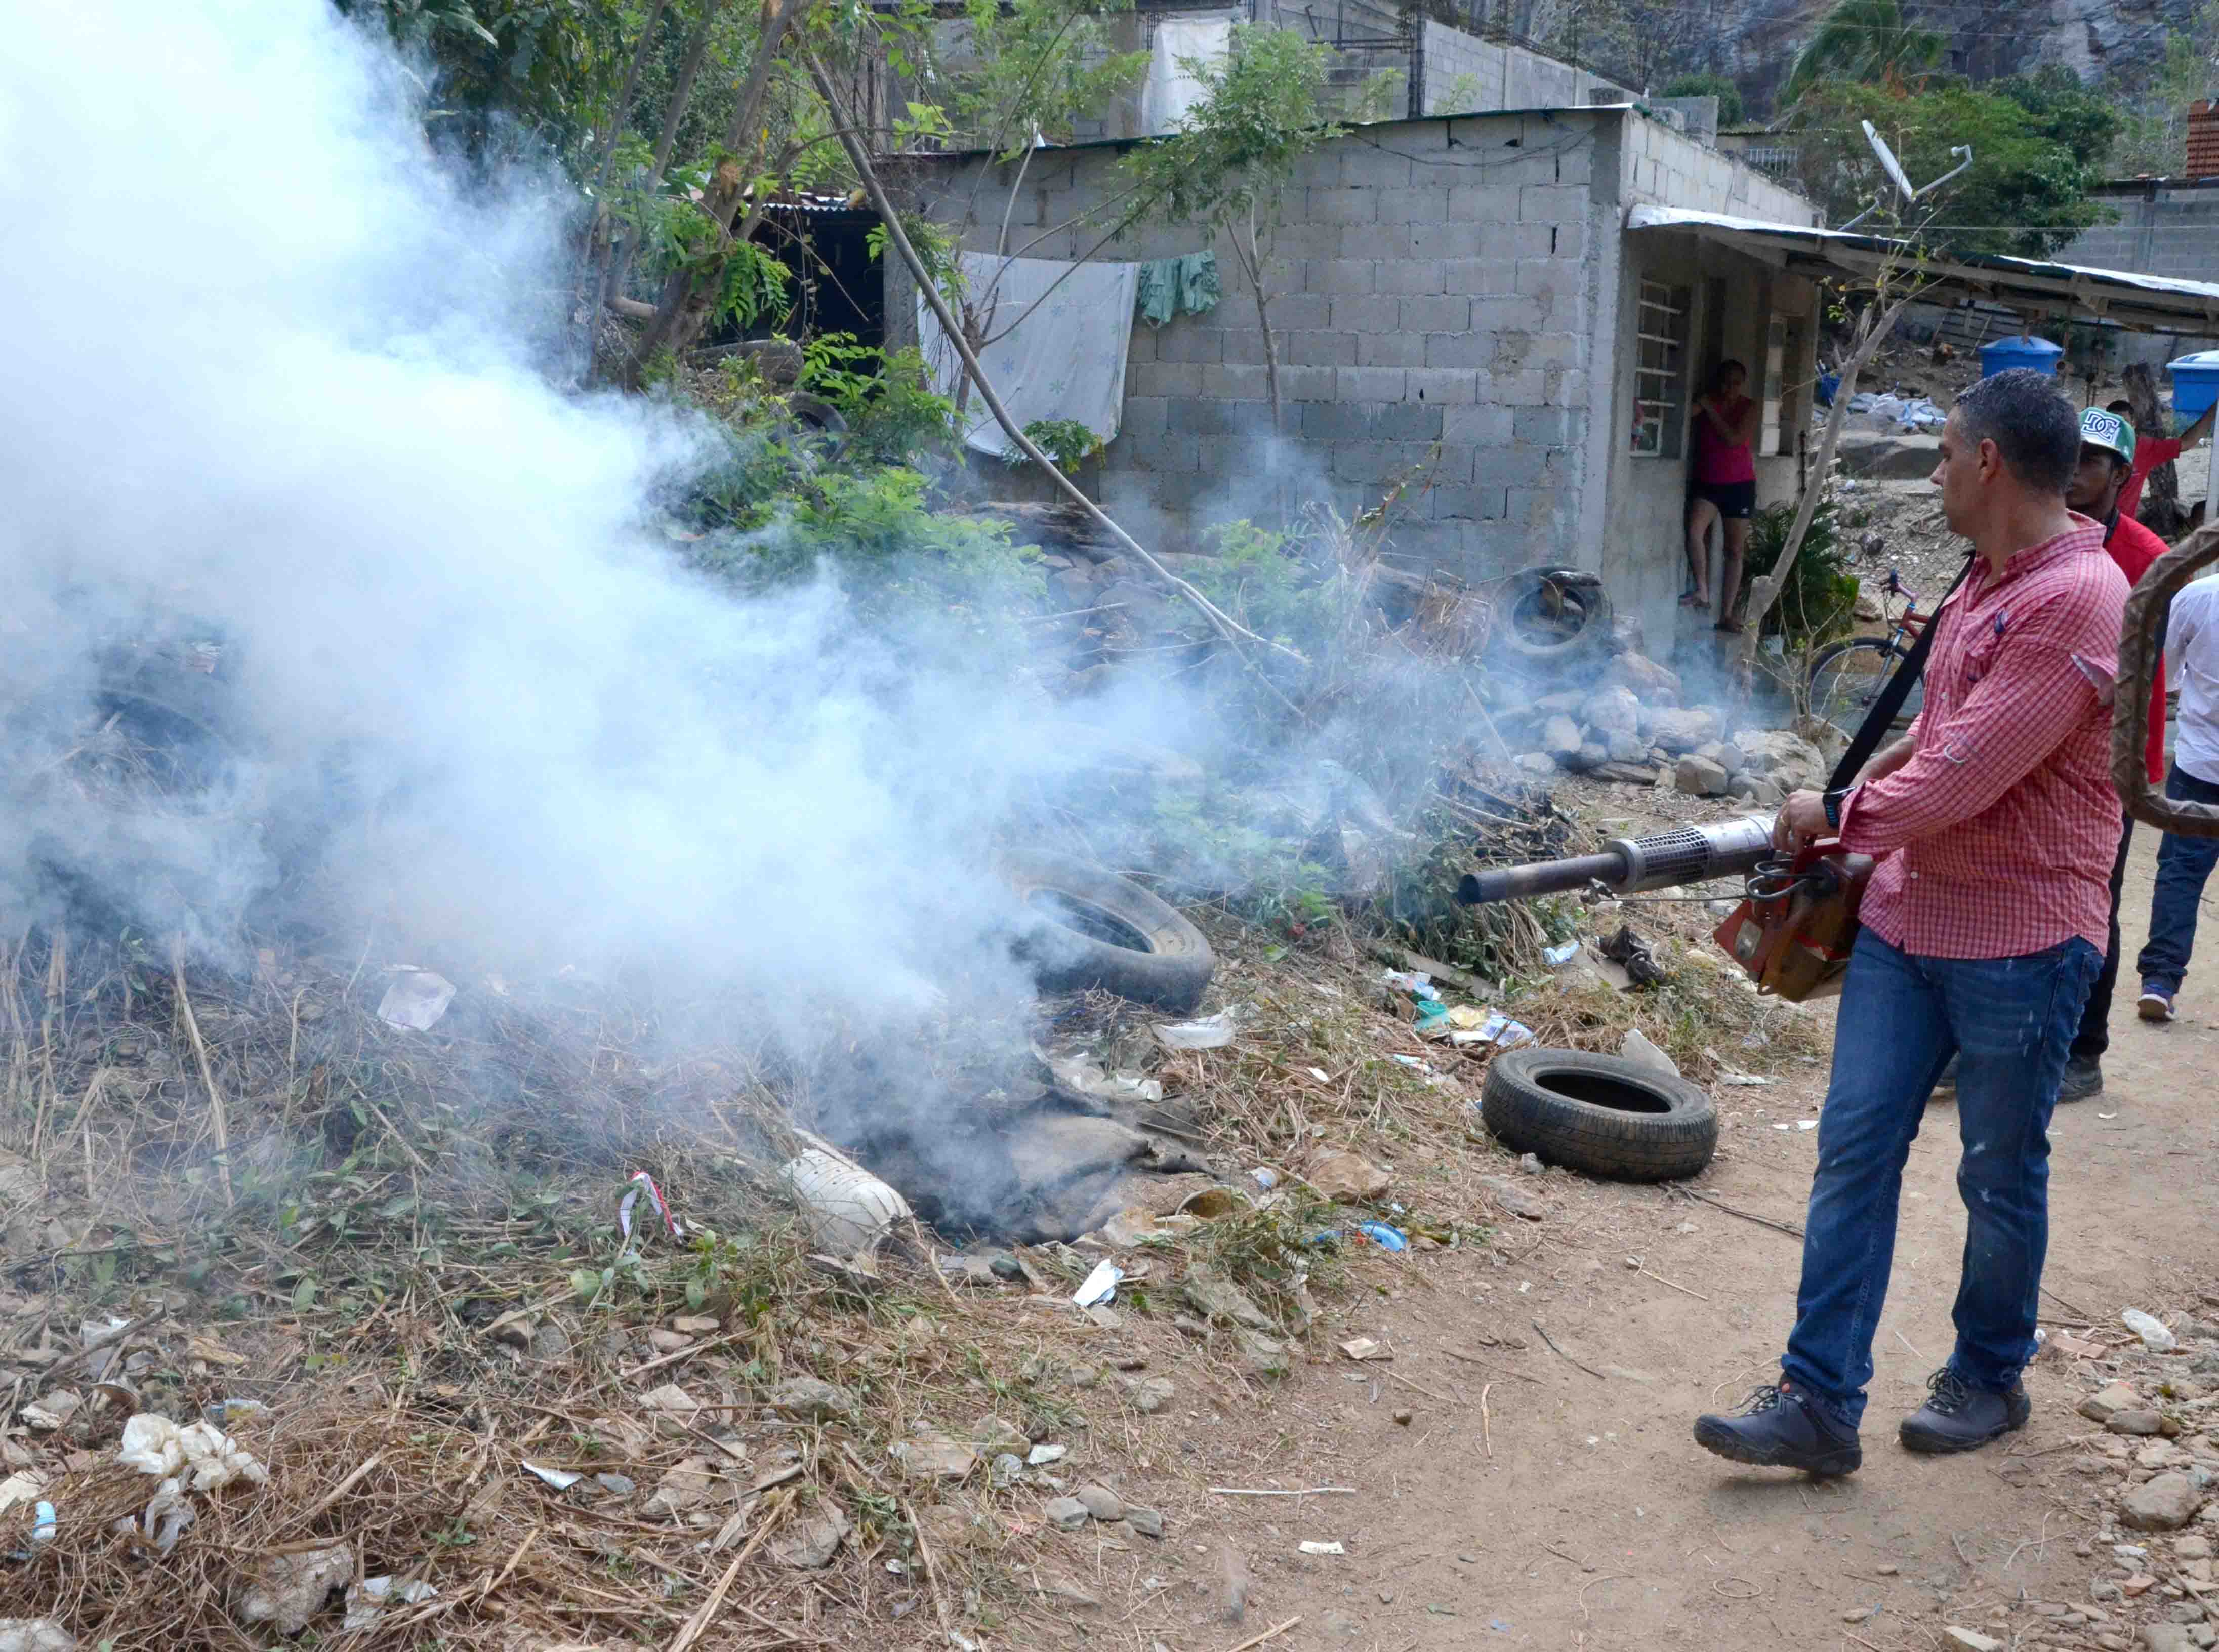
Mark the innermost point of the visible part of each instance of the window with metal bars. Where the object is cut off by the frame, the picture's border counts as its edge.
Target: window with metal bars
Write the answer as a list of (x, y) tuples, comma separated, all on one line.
[(1659, 370)]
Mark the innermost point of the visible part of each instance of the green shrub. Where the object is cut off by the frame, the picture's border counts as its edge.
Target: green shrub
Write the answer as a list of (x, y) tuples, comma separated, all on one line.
[(1820, 601)]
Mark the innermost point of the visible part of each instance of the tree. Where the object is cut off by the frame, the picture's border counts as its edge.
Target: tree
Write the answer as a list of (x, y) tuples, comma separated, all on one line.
[(2026, 192), (1708, 84), (1863, 40), (1228, 164)]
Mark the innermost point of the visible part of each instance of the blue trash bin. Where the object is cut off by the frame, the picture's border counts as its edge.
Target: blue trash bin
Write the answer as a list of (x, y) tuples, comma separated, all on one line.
[(2195, 385), (2004, 354)]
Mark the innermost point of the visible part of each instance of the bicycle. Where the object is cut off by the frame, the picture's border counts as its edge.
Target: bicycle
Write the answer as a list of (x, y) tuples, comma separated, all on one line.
[(1846, 677)]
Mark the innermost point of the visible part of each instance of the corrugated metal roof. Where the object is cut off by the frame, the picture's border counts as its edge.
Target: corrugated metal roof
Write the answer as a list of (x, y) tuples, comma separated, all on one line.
[(2157, 303)]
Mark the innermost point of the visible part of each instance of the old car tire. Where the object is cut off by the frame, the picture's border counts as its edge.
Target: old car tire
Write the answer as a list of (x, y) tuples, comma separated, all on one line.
[(1090, 927), (1600, 1114), (1542, 589)]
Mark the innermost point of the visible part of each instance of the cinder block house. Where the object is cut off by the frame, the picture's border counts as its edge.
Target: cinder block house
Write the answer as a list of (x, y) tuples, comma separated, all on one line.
[(1467, 282)]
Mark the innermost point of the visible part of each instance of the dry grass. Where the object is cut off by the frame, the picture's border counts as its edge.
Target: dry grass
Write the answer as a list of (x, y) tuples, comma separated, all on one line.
[(395, 1197)]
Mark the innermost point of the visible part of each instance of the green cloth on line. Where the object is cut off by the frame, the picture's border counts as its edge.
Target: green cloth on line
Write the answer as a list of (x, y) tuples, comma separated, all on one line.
[(1181, 286)]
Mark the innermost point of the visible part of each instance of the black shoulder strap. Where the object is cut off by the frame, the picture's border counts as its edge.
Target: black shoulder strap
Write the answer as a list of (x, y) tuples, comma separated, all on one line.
[(1892, 696)]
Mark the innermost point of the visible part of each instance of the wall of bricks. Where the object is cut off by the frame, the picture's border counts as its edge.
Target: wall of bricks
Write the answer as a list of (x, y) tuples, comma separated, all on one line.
[(2161, 231)]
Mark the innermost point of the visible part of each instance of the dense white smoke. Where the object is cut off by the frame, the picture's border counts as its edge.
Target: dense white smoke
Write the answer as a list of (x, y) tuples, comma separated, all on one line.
[(268, 382)]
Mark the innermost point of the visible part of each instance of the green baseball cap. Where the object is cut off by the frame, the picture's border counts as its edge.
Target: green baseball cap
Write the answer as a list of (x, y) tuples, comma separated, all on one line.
[(2108, 431)]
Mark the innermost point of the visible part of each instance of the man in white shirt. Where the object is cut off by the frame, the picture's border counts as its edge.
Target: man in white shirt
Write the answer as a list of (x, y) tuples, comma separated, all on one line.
[(2192, 658)]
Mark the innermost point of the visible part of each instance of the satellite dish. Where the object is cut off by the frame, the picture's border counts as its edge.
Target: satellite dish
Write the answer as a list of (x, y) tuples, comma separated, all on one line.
[(1892, 166)]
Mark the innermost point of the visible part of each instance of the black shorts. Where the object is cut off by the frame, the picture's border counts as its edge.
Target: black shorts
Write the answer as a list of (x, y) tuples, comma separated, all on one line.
[(1736, 500)]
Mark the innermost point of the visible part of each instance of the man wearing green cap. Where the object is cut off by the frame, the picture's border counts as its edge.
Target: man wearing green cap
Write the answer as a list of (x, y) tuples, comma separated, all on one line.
[(2107, 463)]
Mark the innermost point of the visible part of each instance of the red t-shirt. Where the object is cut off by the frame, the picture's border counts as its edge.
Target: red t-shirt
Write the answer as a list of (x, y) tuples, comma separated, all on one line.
[(2134, 548), (1717, 460), (2150, 451)]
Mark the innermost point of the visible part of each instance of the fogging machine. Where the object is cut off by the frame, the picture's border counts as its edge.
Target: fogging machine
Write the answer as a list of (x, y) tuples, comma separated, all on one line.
[(1792, 929)]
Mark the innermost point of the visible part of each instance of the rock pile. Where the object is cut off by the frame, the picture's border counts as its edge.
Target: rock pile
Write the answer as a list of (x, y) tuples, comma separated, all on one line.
[(1631, 729)]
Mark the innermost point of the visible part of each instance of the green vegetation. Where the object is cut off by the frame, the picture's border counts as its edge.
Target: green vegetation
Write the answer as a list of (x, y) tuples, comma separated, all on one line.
[(2152, 106), (1820, 597), (1710, 85), (1868, 41)]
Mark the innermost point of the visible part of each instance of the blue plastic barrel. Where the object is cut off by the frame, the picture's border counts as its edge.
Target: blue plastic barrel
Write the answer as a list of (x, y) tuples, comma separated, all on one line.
[(2004, 354), (2195, 385)]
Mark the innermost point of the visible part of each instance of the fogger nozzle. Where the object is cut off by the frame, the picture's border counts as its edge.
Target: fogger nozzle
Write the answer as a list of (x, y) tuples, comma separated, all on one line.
[(1686, 854)]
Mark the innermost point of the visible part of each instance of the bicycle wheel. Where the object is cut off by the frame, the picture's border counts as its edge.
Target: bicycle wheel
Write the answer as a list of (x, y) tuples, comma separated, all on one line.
[(1847, 677)]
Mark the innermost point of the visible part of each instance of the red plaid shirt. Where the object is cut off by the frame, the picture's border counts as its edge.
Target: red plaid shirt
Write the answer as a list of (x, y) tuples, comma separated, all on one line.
[(1997, 838)]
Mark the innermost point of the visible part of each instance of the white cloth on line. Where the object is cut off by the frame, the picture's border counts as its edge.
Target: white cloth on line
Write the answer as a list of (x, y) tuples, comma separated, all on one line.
[(1171, 88), (1064, 329)]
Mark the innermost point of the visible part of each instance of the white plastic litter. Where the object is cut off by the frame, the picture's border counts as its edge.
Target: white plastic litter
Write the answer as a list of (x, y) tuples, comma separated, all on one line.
[(1322, 1549), (561, 1479), (1417, 984), (1560, 956), (849, 1209), (199, 1455), (1101, 1285), (1637, 1048), (366, 1599), (416, 1000), (1212, 1033), (1497, 1029), (2151, 1331)]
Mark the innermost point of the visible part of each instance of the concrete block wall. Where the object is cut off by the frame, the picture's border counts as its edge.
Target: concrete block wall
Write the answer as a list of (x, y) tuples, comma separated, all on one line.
[(1665, 167), (1467, 75), (1432, 285)]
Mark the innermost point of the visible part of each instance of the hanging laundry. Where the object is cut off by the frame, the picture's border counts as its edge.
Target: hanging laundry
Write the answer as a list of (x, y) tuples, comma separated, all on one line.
[(1181, 286)]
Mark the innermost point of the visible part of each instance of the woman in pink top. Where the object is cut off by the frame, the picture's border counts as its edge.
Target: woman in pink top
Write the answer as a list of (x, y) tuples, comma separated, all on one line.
[(1722, 487)]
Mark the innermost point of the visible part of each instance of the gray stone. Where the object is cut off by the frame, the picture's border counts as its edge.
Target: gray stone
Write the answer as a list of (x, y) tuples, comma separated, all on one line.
[(1100, 1503), (1263, 1356), (1610, 711), (1678, 732), (1539, 763), (1651, 683), (807, 1400), (2168, 1637), (1566, 702), (2142, 1422), (1150, 1395), (1590, 756), (1223, 1302), (1700, 777), (2119, 1396), (808, 1544), (1148, 1522), (550, 1342), (1627, 746), (1066, 1513), (1970, 1640), (1514, 1198), (2165, 1504), (1727, 756), (1792, 761), (616, 1485), (1627, 773), (1561, 737)]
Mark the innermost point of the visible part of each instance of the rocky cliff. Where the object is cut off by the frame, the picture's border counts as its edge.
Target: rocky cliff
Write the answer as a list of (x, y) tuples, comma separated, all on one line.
[(1988, 39)]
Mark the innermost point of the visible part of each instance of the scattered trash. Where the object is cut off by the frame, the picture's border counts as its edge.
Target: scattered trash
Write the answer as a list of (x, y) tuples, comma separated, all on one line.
[(415, 1000), (561, 1479), (1557, 957), (1493, 1028), (1410, 1061), (1416, 983), (1746, 1080), (1101, 1286), (1905, 413), (1433, 1014), (210, 1458), (642, 1183), (1636, 1047), (1635, 954), (851, 1210), (1386, 1237), (289, 1589), (48, 1413), (1309, 1548), (34, 1635), (1137, 1225), (1213, 1033), (222, 1413), (365, 1599), (1265, 1178), (2151, 1331), (1363, 1348)]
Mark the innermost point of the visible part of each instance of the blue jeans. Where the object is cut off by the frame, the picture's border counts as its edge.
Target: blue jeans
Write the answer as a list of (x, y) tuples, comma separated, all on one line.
[(2010, 1021), (2182, 864)]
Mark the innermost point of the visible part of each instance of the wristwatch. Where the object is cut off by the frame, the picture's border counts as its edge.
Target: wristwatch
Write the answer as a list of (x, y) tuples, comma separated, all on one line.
[(1831, 802)]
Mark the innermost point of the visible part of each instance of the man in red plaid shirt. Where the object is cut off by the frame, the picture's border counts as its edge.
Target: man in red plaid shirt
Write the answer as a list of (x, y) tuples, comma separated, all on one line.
[(1994, 825)]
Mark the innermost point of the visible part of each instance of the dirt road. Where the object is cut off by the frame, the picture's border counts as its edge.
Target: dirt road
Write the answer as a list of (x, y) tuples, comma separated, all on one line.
[(1528, 1502)]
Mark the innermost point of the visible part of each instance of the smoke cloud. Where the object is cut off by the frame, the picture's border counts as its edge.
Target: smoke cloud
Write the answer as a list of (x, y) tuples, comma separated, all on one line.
[(274, 385)]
